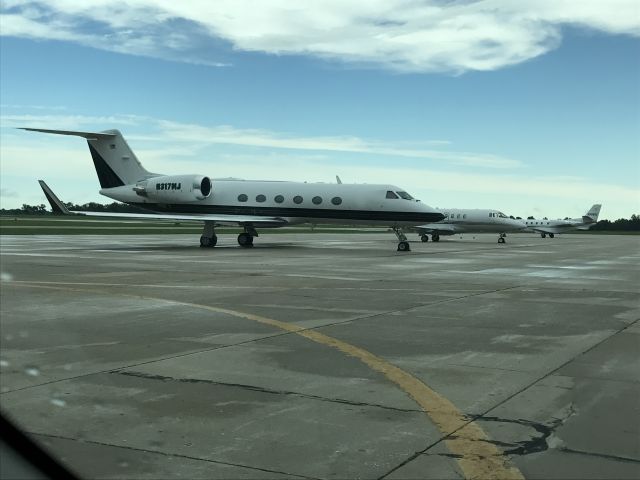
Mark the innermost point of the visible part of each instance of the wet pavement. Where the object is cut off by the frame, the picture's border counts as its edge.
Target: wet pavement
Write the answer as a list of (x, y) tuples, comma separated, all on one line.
[(325, 355)]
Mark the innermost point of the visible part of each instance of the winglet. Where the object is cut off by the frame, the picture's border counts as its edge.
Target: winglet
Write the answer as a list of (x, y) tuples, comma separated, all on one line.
[(338, 180), (57, 207)]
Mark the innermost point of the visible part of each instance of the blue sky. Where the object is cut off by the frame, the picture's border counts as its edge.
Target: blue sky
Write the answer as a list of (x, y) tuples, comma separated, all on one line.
[(529, 107)]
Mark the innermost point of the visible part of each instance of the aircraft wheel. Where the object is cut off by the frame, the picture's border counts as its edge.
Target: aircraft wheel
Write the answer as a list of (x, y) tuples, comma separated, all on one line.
[(404, 247), (245, 240), (208, 242), (544, 235), (501, 240), (551, 235), (424, 237), (435, 238)]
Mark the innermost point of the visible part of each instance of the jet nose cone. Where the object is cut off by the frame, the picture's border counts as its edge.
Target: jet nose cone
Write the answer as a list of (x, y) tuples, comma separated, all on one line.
[(430, 214), (518, 224)]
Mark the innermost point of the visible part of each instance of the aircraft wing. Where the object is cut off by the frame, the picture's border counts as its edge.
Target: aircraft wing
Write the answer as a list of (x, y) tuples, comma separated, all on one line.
[(547, 229), (440, 228), (60, 208)]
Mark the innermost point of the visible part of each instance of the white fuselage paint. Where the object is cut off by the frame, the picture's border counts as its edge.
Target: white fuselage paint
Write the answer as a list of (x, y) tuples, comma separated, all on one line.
[(361, 204), (557, 226)]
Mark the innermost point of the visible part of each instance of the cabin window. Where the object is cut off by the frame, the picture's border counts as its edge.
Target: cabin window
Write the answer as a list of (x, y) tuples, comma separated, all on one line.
[(317, 200), (464, 215), (260, 198), (297, 199), (242, 197), (390, 194), (336, 200), (405, 195), (279, 199)]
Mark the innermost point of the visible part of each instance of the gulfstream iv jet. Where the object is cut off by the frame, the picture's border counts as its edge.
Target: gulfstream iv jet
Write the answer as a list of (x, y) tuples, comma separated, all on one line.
[(249, 204)]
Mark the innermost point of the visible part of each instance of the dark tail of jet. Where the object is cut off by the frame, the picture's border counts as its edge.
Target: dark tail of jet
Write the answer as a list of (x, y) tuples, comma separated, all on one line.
[(115, 162)]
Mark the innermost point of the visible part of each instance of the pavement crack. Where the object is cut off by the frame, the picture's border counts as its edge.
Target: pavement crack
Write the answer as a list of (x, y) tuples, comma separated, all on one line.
[(255, 388), (165, 454), (535, 444), (600, 455)]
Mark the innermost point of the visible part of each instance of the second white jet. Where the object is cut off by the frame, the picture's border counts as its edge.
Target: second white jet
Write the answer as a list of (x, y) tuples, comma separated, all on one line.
[(470, 221)]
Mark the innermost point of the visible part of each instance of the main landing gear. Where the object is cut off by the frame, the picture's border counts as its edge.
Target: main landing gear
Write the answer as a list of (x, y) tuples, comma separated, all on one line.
[(502, 238), (403, 244), (543, 235), (245, 239), (208, 238), (434, 237)]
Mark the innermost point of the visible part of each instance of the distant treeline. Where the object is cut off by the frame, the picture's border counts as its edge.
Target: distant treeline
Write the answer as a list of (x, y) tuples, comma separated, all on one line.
[(87, 207), (620, 225)]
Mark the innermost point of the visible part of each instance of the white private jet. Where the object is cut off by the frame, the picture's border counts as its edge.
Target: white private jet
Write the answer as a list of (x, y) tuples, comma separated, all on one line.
[(249, 204), (551, 227), (470, 221)]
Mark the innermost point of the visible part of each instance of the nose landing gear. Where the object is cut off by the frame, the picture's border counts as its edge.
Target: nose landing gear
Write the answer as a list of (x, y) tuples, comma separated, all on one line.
[(502, 238), (403, 244)]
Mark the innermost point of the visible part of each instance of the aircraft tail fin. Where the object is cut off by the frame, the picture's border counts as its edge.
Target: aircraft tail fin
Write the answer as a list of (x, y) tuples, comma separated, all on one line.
[(592, 215), (113, 159)]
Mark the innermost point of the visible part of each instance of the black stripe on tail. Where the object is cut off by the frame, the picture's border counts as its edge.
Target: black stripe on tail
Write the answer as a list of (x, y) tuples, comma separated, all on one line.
[(108, 178)]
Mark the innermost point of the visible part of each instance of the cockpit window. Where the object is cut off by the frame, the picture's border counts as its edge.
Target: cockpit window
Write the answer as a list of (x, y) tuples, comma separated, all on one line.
[(390, 194), (405, 195), (502, 215)]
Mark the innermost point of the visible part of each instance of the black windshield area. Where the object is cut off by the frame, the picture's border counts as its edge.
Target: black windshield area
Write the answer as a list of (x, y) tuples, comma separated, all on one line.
[(405, 195), (390, 194)]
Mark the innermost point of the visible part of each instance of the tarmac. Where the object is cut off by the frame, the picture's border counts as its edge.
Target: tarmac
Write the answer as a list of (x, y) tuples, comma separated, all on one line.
[(326, 356)]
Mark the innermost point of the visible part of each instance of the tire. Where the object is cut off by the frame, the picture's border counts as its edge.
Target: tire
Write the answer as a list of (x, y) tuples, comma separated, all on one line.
[(208, 242), (404, 247), (245, 240), (424, 237)]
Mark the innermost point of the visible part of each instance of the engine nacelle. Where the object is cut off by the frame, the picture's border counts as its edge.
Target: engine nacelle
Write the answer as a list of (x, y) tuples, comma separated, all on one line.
[(175, 188)]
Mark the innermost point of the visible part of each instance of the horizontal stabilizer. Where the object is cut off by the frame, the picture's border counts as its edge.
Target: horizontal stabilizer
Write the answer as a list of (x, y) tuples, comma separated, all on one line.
[(87, 135), (57, 207)]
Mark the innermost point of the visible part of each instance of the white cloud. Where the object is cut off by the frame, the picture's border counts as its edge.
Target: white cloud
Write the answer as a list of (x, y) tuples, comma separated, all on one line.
[(192, 138), (403, 35), (5, 192)]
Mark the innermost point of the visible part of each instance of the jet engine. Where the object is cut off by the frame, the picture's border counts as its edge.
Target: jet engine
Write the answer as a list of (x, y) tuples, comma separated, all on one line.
[(175, 188)]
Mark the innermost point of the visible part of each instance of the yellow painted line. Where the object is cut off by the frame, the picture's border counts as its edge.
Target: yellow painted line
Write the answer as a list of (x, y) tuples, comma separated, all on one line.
[(476, 456)]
